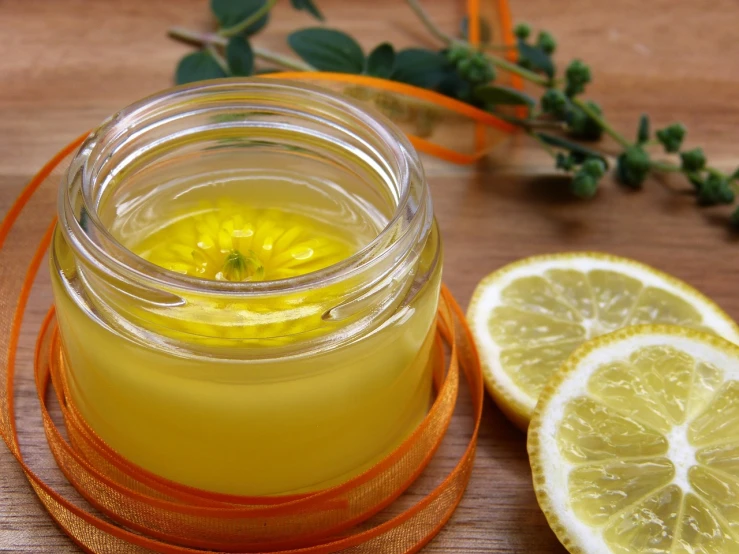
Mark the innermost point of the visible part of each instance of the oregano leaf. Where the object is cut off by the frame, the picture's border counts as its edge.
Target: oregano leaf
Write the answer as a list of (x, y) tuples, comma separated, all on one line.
[(499, 94), (328, 50), (381, 61), (455, 86), (308, 6), (198, 66), (240, 56), (232, 12), (536, 58), (420, 67)]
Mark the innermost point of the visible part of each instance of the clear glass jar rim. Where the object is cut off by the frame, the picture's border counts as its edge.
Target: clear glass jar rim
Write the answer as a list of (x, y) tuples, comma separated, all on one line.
[(405, 165)]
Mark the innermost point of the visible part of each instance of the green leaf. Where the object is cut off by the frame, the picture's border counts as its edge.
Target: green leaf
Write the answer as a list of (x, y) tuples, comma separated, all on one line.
[(240, 56), (498, 94), (642, 134), (308, 6), (578, 149), (485, 33), (381, 61), (328, 50), (455, 86), (536, 58), (734, 175), (232, 12), (420, 67), (198, 66)]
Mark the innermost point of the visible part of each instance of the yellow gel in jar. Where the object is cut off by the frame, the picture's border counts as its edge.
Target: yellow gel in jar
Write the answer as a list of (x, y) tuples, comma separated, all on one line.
[(246, 277)]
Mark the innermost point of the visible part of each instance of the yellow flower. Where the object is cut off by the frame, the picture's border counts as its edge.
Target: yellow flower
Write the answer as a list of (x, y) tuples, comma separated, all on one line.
[(226, 241)]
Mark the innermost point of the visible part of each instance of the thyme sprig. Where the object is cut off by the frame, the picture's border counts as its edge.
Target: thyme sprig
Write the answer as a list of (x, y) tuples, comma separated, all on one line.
[(470, 73)]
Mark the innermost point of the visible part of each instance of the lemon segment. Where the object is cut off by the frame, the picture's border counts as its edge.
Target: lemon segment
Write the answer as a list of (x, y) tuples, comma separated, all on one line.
[(634, 445), (529, 316)]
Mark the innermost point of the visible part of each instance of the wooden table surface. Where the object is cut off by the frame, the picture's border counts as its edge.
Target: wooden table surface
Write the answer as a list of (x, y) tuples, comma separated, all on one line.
[(66, 64)]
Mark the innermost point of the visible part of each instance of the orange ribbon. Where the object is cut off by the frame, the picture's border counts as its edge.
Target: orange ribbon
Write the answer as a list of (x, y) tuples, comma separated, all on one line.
[(160, 516)]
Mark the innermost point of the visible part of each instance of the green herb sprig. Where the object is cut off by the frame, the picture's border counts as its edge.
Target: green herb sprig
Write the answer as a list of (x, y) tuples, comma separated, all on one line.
[(468, 73)]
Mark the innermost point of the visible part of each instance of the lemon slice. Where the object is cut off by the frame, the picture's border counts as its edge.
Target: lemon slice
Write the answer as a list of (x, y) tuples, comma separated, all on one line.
[(634, 444), (529, 316)]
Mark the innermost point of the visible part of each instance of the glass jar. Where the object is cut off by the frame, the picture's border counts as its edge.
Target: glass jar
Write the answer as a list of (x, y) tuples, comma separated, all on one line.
[(256, 387)]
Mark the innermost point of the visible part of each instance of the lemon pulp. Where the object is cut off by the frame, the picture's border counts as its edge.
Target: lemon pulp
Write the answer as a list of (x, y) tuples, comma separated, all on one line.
[(635, 446)]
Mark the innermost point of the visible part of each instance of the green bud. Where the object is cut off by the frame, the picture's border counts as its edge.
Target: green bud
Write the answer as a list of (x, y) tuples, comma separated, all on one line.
[(464, 66), (239, 267), (715, 190), (672, 137), (476, 69), (577, 75), (555, 102), (632, 166), (457, 53), (564, 161), (475, 75), (479, 60), (522, 31), (594, 167), (581, 125), (726, 194), (695, 179), (546, 42), (693, 160), (734, 219), (583, 185)]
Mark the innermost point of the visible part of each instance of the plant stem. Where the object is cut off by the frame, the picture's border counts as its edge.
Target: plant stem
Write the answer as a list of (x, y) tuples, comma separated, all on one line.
[(195, 37), (415, 5), (615, 135), (664, 166), (518, 70), (543, 144), (220, 60), (242, 26), (212, 39), (532, 123), (280, 59)]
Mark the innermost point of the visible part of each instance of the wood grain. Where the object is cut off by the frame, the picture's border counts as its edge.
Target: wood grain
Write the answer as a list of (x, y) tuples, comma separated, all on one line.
[(67, 64)]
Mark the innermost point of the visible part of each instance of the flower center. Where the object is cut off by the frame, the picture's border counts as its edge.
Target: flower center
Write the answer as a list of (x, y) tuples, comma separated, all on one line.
[(238, 267)]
